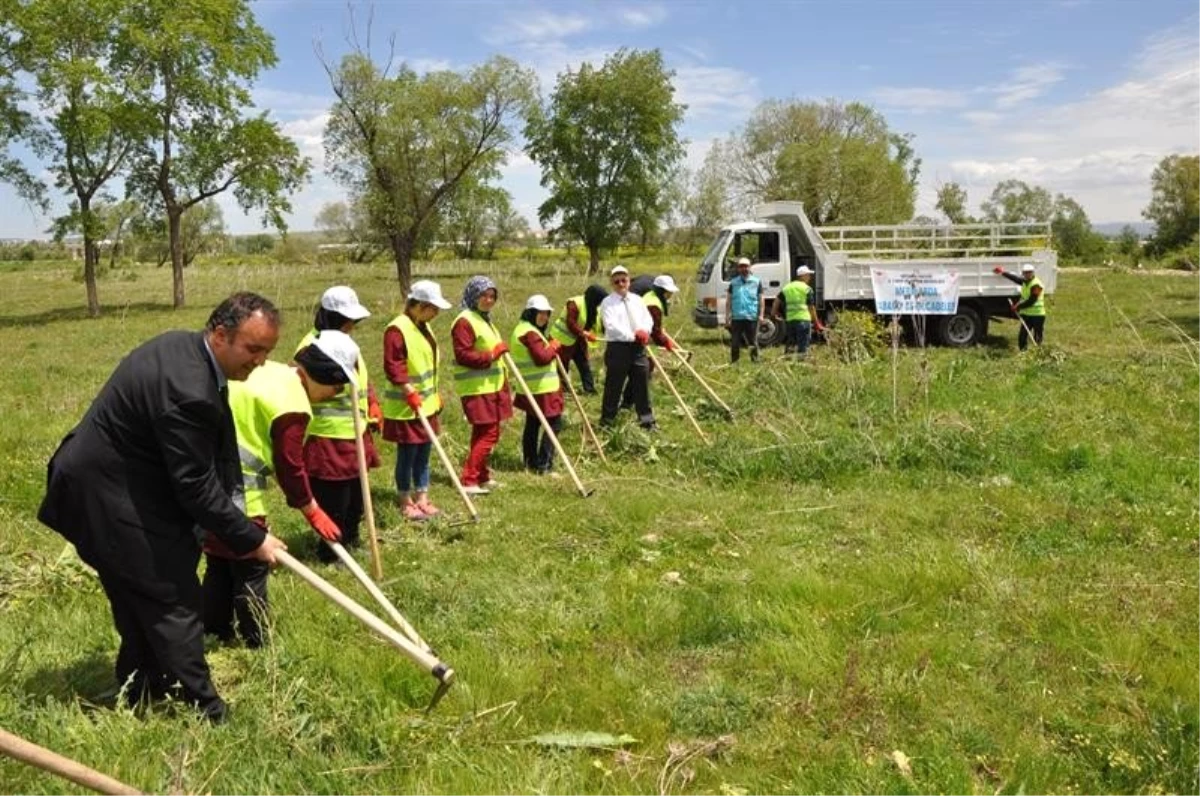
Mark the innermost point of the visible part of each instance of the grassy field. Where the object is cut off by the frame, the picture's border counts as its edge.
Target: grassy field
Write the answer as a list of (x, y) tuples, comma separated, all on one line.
[(929, 571)]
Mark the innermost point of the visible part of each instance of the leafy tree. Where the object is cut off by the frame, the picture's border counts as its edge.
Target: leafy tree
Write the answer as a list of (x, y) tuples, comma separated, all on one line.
[(1072, 233), (841, 160), (405, 142), (1128, 244), (471, 219), (90, 99), (202, 56), (349, 225), (1174, 202), (1014, 202), (15, 122), (706, 205), (952, 201), (202, 231), (606, 143)]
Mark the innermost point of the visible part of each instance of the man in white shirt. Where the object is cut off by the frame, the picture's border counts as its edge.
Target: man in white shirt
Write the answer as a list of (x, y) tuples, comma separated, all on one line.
[(627, 326)]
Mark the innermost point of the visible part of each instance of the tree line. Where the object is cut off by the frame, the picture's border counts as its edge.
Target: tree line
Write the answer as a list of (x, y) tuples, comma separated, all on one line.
[(156, 95)]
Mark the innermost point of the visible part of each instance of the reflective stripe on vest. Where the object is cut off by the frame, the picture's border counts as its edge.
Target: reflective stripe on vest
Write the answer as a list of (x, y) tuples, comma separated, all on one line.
[(333, 418), (1038, 307), (541, 379), (479, 381), (559, 330), (423, 361), (745, 297), (271, 391), (795, 296)]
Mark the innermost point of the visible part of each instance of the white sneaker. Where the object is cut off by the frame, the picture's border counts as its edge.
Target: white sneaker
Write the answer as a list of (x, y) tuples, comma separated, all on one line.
[(492, 483), (475, 489)]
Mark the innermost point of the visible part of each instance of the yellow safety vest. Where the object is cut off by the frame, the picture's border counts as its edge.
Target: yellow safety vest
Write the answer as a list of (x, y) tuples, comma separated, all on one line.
[(333, 418), (540, 378), (479, 381), (559, 330), (271, 391), (423, 362), (795, 296), (1038, 307)]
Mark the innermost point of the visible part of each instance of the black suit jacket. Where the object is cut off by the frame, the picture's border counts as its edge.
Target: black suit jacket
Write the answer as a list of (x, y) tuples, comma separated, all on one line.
[(154, 459)]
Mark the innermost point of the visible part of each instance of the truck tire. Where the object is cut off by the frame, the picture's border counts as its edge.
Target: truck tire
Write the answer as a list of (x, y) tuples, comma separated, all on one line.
[(966, 327), (771, 332)]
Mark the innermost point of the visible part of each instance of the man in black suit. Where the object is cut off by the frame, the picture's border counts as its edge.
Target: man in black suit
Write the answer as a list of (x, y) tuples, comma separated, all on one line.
[(154, 461)]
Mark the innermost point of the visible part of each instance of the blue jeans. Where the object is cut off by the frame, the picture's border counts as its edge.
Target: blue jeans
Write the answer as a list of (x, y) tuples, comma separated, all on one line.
[(412, 467), (799, 335)]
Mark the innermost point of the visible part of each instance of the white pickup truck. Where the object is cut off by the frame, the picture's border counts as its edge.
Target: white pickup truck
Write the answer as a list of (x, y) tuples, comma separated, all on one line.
[(781, 239)]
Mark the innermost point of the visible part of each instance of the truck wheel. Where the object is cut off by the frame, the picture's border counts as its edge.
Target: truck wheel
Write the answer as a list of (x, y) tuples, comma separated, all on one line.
[(965, 328), (771, 332)]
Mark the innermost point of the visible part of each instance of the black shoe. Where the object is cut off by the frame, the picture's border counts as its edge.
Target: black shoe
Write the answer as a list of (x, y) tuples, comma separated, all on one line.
[(589, 391), (650, 428)]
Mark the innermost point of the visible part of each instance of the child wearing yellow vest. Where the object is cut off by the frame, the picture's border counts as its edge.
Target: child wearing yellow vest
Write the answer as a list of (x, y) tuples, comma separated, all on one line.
[(412, 362)]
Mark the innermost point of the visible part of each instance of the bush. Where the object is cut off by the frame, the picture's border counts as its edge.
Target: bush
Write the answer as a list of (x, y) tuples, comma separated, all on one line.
[(858, 336)]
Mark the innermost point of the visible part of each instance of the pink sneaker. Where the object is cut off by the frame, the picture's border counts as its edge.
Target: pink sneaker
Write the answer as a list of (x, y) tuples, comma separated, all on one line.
[(413, 512), (428, 509)]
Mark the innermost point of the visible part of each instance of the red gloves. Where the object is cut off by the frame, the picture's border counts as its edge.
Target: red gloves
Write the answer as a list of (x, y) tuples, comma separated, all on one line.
[(325, 527), (413, 399), (820, 327), (671, 344), (589, 336), (641, 336), (500, 350), (998, 270), (374, 414), (554, 345)]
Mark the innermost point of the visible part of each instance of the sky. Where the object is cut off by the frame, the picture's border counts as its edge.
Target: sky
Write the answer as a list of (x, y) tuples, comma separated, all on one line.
[(1082, 97)]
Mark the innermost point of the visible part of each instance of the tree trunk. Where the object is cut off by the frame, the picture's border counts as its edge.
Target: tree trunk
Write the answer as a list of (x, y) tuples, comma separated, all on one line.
[(593, 260), (91, 258), (402, 251), (175, 236)]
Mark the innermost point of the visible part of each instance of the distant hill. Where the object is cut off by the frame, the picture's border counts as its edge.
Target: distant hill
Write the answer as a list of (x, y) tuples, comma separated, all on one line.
[(1112, 228)]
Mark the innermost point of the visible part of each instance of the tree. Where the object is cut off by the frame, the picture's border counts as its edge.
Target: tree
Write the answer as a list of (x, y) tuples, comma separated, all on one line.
[(1128, 244), (706, 204), (1014, 202), (405, 142), (1072, 233), (15, 121), (840, 160), (349, 225), (201, 56), (471, 219), (606, 143), (90, 98), (952, 201), (1174, 202)]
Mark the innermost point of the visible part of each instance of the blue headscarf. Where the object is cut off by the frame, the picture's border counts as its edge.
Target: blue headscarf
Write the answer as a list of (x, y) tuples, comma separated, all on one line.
[(476, 286)]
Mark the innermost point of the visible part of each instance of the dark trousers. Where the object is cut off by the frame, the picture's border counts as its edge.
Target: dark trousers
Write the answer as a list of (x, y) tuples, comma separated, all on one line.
[(235, 589), (799, 335), (627, 393), (342, 501), (537, 456), (577, 353), (162, 640), (626, 362), (1036, 324), (743, 334)]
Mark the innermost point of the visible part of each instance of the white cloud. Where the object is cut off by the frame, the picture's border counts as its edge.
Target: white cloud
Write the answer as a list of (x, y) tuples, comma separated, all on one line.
[(716, 91), (918, 99), (309, 135), (1028, 82), (290, 104), (538, 27), (643, 17)]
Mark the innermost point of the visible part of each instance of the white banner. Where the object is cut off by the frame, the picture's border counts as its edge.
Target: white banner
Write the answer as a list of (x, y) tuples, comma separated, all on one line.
[(915, 292)]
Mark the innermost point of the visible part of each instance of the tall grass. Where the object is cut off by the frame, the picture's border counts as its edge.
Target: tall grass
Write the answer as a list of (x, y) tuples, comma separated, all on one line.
[(982, 559)]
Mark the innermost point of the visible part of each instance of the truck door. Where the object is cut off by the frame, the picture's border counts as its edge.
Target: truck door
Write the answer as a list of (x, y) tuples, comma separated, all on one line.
[(768, 261)]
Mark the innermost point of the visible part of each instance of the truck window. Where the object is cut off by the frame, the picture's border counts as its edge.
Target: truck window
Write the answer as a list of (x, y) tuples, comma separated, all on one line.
[(705, 271), (760, 247)]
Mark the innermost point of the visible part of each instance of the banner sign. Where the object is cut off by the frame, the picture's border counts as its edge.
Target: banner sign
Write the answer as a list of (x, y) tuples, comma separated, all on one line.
[(915, 292)]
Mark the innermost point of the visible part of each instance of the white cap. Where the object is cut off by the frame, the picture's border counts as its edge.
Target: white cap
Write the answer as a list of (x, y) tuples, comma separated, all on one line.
[(666, 283), (744, 261), (1027, 268), (430, 292), (538, 302), (803, 270), (341, 348), (344, 301), (620, 269)]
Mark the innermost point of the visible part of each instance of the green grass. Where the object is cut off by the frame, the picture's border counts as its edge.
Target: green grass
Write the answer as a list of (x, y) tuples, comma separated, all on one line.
[(985, 560)]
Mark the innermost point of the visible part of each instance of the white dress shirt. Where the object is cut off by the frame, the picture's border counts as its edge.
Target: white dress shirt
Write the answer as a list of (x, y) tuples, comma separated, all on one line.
[(624, 315)]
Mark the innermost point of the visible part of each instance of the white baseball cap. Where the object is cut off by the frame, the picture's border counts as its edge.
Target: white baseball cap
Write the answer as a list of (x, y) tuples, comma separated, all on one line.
[(744, 261), (341, 348), (538, 302), (620, 269), (344, 301), (430, 292), (803, 270), (666, 283), (1027, 268)]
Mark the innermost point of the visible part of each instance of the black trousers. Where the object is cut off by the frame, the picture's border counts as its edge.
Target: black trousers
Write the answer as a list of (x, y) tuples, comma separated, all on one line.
[(626, 363), (743, 334), (342, 501), (1036, 324), (235, 589), (162, 640), (537, 456), (579, 355)]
